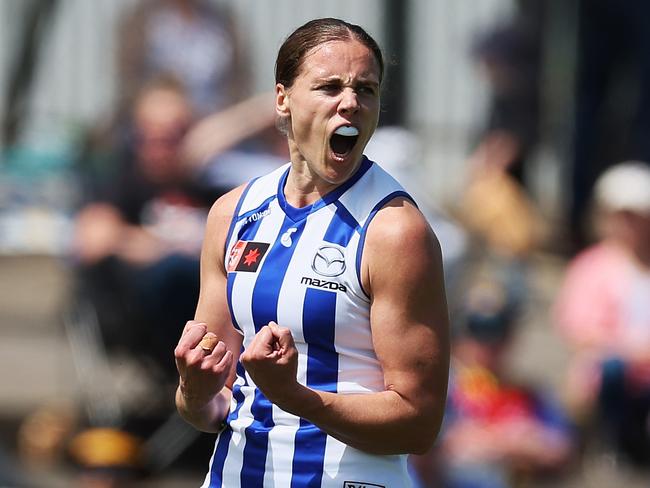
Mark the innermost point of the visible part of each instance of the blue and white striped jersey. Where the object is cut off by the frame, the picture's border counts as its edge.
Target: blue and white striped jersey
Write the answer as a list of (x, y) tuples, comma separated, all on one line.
[(300, 267)]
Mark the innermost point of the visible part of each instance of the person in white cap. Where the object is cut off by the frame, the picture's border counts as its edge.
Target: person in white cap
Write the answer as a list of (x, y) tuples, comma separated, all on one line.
[(603, 311)]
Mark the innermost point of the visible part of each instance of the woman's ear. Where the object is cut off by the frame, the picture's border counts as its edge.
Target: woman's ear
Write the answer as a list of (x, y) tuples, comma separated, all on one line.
[(281, 101), (282, 111)]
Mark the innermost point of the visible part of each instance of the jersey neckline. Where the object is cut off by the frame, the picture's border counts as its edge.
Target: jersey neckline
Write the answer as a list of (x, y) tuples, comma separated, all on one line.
[(296, 214)]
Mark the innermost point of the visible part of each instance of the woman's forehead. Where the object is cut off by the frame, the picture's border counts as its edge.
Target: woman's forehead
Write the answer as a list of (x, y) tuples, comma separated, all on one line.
[(330, 57)]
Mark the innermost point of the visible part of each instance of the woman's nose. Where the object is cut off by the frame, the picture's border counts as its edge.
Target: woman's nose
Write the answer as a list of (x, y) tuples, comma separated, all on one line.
[(349, 102)]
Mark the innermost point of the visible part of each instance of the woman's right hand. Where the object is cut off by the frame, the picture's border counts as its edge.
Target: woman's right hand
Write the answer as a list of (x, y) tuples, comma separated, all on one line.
[(203, 373)]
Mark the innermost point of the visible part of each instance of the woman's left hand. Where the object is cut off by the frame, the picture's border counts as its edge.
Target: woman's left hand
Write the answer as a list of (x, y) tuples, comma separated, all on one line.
[(272, 361)]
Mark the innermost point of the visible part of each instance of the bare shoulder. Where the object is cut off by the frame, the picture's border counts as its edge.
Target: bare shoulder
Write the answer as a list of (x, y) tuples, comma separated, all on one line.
[(224, 207), (400, 225), (399, 243), (219, 219), (221, 214)]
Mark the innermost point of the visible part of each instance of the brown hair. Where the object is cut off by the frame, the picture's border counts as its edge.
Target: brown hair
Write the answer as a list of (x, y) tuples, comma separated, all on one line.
[(312, 34)]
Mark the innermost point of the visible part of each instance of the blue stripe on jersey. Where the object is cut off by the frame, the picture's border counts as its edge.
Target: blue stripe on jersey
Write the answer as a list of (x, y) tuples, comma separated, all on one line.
[(322, 374), (298, 214), (269, 281), (241, 372), (318, 330), (308, 457), (221, 451), (264, 308), (341, 227), (364, 230), (257, 442)]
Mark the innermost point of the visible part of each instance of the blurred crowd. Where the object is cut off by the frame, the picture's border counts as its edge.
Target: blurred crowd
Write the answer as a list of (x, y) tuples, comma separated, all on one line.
[(187, 128)]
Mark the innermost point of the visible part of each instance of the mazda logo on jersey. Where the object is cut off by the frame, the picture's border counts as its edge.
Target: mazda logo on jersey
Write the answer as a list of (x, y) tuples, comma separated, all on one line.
[(246, 256), (329, 261)]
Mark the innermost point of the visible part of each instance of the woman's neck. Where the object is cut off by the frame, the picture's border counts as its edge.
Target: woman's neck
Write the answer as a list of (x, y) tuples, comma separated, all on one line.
[(303, 187)]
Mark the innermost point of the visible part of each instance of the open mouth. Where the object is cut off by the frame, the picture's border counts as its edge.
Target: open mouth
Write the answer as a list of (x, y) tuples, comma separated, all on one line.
[(343, 140)]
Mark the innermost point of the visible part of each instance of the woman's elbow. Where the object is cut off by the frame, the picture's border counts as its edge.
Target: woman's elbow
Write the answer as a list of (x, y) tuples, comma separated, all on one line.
[(423, 442), (424, 432)]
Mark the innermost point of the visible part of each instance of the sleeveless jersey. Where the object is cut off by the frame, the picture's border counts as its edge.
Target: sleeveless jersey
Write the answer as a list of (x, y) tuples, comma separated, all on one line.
[(300, 267)]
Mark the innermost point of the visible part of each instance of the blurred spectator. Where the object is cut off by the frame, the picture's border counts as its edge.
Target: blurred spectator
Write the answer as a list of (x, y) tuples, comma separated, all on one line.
[(138, 239), (137, 244), (495, 205), (603, 311), (509, 57), (497, 432), (191, 43), (612, 98), (496, 209), (504, 223), (190, 40)]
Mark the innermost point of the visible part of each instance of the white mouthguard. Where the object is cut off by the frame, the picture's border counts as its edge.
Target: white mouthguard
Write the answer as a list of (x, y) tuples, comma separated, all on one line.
[(347, 131)]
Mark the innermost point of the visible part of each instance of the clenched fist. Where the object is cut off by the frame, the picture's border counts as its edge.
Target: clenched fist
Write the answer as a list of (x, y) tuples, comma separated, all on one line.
[(203, 362), (271, 359)]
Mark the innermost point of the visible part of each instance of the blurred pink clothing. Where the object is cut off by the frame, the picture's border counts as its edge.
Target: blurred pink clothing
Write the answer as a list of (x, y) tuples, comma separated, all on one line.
[(604, 302)]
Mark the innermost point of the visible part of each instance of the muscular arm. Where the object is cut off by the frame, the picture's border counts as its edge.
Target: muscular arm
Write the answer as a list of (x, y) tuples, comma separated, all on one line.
[(203, 395), (402, 271)]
